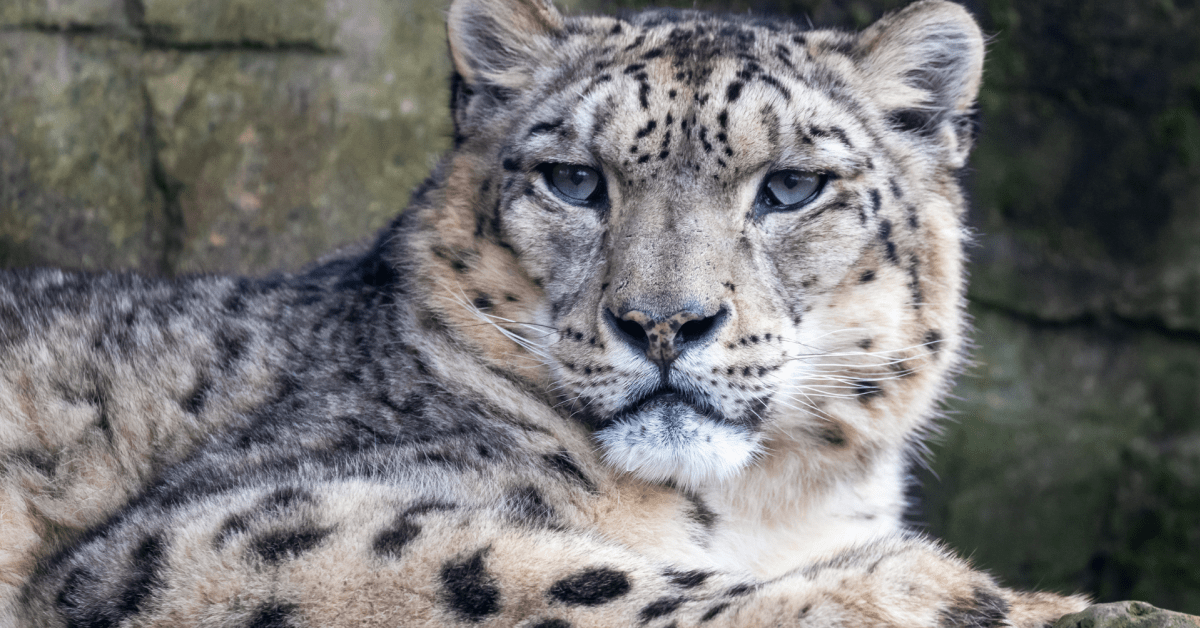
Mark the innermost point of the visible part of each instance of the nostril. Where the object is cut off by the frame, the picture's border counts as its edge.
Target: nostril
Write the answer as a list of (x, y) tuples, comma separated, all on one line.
[(699, 329), (693, 330), (634, 331), (629, 331)]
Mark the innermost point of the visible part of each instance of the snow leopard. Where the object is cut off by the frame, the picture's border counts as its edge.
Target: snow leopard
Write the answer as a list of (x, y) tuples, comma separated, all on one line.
[(656, 344)]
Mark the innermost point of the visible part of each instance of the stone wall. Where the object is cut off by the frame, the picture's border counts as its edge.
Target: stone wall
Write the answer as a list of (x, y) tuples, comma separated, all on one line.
[(175, 136)]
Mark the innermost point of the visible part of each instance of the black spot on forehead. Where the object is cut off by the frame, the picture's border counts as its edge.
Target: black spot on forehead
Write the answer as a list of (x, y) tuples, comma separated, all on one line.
[(545, 127), (774, 83), (733, 91), (885, 237)]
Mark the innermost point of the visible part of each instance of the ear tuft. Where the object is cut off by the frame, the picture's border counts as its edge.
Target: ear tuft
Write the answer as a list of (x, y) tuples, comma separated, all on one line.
[(497, 42), (924, 65)]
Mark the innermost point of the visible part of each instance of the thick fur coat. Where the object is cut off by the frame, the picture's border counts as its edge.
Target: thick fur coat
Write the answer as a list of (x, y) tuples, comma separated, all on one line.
[(655, 345)]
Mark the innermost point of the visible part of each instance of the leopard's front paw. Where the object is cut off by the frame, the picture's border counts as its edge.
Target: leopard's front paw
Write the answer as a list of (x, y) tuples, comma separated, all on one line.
[(1127, 615)]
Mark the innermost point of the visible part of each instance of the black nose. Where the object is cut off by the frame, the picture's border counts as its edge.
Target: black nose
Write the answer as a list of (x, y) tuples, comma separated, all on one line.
[(663, 339)]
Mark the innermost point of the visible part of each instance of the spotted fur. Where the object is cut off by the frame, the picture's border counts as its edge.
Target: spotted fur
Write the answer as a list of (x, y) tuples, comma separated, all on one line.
[(664, 404)]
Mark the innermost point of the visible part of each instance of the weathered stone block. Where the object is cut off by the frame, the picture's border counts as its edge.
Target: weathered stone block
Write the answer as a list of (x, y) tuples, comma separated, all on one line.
[(1073, 461), (276, 158), (75, 180), (63, 13), (1127, 615), (1087, 177), (247, 22)]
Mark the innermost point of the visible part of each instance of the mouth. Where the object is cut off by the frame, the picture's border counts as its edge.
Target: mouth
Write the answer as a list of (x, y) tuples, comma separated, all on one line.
[(668, 400), (668, 435)]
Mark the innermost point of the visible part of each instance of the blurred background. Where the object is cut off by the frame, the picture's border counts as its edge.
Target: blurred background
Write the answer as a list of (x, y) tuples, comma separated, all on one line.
[(176, 136)]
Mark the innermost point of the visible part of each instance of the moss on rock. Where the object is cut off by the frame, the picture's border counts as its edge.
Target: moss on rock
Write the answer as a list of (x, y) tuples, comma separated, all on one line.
[(276, 158), (75, 184), (297, 23), (1073, 460), (92, 13)]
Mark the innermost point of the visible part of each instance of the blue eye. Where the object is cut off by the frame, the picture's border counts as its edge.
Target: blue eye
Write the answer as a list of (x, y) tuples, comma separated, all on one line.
[(579, 185), (789, 189)]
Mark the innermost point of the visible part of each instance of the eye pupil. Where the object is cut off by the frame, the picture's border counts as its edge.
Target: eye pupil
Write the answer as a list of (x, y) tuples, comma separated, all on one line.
[(578, 176), (575, 184), (789, 189)]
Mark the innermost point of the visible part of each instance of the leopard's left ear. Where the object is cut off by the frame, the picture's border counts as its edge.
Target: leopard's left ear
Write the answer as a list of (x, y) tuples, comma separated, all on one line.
[(923, 66), (497, 43)]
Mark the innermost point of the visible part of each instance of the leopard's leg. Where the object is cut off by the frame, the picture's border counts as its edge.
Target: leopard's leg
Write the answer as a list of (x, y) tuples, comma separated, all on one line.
[(357, 554)]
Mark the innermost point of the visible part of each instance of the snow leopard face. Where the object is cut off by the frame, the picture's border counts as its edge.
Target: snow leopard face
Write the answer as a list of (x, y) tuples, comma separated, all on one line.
[(710, 236)]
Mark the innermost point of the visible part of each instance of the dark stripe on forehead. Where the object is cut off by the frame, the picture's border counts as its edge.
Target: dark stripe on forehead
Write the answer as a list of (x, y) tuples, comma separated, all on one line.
[(784, 54), (770, 121), (770, 80), (831, 132), (604, 115), (545, 127)]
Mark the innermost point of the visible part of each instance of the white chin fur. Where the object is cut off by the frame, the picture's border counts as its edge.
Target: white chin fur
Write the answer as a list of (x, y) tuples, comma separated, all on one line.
[(673, 442)]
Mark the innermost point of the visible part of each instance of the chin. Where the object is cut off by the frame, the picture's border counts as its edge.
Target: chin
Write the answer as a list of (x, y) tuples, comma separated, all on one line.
[(666, 439)]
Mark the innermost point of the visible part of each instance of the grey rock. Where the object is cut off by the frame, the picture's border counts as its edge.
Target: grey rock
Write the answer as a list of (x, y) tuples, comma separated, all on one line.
[(310, 23), (274, 159), (95, 13), (1127, 615), (75, 175), (1071, 460), (1087, 176)]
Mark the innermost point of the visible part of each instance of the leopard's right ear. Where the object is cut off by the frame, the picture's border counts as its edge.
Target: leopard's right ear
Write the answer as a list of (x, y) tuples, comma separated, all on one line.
[(497, 43)]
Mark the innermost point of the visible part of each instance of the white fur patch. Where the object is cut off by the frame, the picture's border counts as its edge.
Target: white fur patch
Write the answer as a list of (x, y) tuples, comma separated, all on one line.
[(669, 440)]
